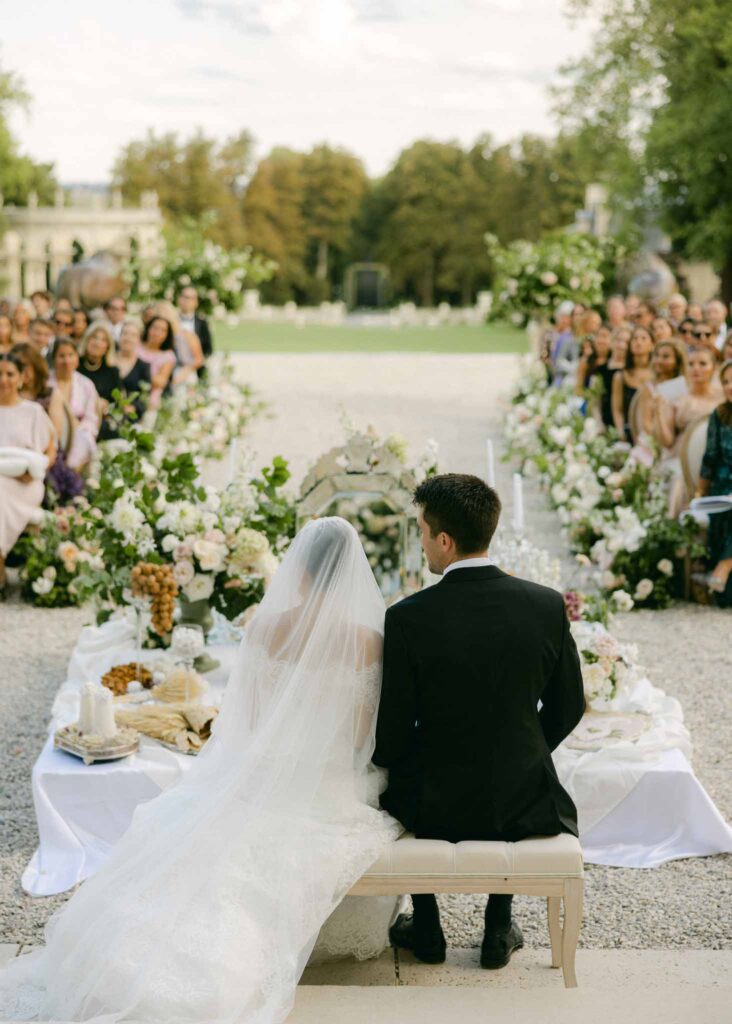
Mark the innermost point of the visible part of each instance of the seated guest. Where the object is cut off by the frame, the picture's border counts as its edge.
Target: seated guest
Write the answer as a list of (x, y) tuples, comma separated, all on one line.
[(22, 316), (726, 352), (705, 337), (703, 395), (81, 324), (715, 314), (82, 399), (135, 377), (188, 351), (631, 307), (116, 310), (619, 341), (97, 362), (615, 312), (42, 303), (42, 337), (22, 425), (66, 482), (694, 311), (626, 382), (686, 331), (595, 355), (676, 309), (191, 321), (563, 350), (147, 313), (644, 315), (6, 333), (158, 350), (661, 329), (63, 322), (716, 478), (668, 363)]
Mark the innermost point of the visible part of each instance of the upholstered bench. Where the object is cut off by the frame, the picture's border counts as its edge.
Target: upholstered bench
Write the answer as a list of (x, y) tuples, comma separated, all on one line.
[(549, 866)]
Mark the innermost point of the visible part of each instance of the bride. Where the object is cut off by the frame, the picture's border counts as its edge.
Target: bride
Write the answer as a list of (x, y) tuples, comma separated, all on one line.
[(209, 907)]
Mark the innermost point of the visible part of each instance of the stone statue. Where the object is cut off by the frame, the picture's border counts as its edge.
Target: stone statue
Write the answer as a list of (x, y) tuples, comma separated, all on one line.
[(91, 283)]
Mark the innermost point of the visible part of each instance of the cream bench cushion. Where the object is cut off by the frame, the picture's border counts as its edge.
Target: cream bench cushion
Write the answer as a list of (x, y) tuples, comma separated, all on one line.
[(550, 856)]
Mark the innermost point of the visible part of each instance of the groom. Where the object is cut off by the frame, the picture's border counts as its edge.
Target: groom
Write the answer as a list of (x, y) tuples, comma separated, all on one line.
[(466, 664)]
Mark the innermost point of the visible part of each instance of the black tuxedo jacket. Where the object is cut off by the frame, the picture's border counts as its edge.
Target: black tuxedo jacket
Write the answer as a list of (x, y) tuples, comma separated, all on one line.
[(466, 663), (201, 328)]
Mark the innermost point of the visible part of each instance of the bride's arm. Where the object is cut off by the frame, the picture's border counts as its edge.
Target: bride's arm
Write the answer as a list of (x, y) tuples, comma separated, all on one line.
[(370, 657)]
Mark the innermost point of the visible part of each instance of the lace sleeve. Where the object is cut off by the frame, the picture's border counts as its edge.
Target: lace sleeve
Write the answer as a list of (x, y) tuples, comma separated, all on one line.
[(368, 688)]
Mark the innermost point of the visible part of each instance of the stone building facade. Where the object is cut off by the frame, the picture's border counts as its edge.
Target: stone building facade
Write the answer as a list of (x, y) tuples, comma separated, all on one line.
[(37, 241)]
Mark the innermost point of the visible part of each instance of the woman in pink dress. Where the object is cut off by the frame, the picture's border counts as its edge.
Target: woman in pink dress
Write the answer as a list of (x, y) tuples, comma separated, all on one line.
[(81, 397), (158, 349), (23, 425)]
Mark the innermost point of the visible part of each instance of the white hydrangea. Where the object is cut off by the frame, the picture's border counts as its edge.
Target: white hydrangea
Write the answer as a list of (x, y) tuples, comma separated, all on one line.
[(200, 588)]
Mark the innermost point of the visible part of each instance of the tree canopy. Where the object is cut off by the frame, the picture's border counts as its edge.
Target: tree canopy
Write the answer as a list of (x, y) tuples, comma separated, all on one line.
[(655, 91), (19, 175)]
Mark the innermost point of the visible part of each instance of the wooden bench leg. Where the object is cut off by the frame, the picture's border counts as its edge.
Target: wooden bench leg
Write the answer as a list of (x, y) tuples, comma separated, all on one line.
[(553, 909), (573, 888)]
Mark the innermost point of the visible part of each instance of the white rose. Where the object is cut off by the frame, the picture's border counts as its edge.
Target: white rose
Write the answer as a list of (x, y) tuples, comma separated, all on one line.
[(50, 572), (623, 601), (126, 518), (574, 281), (666, 566), (183, 572), (210, 556), (549, 278), (169, 543), (42, 586), (643, 590), (200, 588)]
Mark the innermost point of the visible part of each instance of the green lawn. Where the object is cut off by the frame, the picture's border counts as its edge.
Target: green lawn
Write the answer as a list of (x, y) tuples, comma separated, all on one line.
[(261, 337)]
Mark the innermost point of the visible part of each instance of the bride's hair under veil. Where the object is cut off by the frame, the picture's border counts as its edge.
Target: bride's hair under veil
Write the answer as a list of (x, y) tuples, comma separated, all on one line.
[(209, 905)]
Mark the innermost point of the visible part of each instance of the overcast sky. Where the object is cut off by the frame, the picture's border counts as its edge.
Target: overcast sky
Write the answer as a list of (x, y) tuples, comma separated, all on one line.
[(371, 75)]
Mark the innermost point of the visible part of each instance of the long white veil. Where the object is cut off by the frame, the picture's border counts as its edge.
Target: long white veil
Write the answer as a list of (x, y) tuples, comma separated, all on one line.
[(209, 906)]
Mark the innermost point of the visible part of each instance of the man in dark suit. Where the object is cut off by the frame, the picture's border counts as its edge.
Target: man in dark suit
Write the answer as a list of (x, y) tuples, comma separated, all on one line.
[(459, 728), (191, 321)]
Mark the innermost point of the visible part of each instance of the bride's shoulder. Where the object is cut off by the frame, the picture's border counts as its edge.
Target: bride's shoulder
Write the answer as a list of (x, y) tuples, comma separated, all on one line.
[(371, 646)]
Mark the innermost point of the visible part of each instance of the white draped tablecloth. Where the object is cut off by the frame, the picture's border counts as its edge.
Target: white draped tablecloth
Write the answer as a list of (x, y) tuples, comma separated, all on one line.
[(639, 802)]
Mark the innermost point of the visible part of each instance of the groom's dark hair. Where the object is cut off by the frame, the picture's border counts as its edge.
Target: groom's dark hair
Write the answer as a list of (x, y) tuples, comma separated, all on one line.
[(461, 505)]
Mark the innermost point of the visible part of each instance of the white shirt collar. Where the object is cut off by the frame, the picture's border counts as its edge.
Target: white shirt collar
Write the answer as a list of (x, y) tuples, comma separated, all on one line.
[(468, 563)]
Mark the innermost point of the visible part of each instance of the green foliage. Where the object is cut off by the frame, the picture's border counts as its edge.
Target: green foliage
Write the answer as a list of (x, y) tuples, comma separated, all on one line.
[(19, 175), (196, 179), (655, 90)]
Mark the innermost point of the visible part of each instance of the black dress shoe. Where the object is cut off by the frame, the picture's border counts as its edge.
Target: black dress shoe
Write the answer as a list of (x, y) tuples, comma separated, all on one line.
[(498, 946), (428, 947)]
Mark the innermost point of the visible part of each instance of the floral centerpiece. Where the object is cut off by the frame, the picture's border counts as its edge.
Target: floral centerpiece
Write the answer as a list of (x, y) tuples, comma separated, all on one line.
[(609, 668), (532, 278)]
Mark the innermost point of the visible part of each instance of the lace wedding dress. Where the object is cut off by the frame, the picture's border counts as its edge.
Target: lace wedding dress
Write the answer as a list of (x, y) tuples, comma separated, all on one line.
[(210, 906)]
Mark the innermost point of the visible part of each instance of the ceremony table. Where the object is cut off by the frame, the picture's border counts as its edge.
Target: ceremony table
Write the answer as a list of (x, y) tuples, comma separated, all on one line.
[(639, 804)]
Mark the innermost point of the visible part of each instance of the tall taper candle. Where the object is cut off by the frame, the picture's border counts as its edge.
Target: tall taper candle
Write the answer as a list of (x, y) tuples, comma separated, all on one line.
[(86, 708), (518, 503), (104, 725), (233, 457), (490, 477)]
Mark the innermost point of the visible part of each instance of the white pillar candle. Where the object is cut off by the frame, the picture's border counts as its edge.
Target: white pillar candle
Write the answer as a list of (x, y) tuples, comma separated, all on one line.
[(490, 477), (86, 708), (104, 723), (518, 502), (233, 457)]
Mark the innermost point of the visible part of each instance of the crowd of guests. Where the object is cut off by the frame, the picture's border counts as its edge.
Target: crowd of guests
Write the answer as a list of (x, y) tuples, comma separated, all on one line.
[(658, 372), (60, 369)]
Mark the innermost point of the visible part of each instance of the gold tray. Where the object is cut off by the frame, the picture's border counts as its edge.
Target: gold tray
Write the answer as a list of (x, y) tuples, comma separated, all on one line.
[(109, 751)]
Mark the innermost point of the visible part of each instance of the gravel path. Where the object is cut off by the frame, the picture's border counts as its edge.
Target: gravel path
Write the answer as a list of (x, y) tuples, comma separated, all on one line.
[(456, 400)]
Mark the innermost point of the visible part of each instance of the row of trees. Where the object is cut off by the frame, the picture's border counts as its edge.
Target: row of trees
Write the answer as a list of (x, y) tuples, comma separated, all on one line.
[(19, 175), (316, 212)]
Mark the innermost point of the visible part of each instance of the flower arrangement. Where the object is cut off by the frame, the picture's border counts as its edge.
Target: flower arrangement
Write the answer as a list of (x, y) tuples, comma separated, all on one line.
[(204, 416), (609, 668), (612, 507), (188, 258), (220, 545), (532, 278)]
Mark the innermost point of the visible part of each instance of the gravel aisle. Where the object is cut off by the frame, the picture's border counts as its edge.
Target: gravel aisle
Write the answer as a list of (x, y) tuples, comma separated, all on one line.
[(456, 400)]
